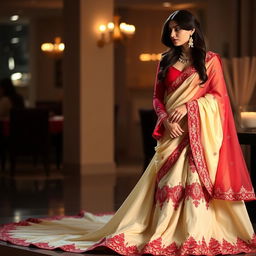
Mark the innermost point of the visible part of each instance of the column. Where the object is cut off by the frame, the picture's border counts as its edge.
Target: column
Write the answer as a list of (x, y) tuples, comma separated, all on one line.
[(88, 89)]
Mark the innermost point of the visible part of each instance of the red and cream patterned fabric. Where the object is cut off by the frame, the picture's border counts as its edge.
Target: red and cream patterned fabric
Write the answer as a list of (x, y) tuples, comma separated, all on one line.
[(175, 208)]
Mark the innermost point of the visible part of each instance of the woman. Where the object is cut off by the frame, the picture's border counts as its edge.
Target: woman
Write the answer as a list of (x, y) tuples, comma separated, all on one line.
[(190, 198)]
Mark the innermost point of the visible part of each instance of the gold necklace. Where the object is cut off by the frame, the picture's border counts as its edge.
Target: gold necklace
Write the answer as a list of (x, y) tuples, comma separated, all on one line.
[(184, 59)]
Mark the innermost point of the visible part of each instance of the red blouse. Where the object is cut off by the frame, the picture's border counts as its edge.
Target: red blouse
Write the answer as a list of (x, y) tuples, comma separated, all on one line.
[(171, 75), (158, 97)]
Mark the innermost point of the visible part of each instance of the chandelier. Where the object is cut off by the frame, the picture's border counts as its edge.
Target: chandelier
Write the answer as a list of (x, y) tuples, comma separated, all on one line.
[(114, 31), (54, 49)]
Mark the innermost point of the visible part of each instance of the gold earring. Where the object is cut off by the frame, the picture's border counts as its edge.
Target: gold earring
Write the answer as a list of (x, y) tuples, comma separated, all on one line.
[(191, 42)]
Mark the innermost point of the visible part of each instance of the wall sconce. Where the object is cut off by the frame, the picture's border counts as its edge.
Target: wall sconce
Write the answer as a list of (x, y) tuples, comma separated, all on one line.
[(53, 49), (150, 56), (114, 31)]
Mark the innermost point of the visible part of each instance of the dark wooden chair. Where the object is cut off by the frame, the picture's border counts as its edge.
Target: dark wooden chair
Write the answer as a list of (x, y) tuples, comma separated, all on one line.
[(3, 147), (54, 107), (148, 120), (29, 135)]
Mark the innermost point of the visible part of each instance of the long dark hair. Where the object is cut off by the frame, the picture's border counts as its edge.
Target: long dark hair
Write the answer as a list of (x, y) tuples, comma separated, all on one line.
[(187, 21)]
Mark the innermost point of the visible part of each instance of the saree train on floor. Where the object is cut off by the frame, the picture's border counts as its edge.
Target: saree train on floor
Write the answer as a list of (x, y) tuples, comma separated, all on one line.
[(189, 199)]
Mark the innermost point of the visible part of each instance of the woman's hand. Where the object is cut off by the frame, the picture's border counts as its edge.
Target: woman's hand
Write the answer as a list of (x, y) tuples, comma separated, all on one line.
[(177, 114), (174, 129)]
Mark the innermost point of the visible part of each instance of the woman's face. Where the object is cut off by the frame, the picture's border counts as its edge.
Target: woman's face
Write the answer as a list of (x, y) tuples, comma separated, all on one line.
[(179, 36)]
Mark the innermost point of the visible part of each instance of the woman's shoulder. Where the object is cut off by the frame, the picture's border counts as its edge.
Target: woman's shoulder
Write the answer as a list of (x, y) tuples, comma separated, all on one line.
[(210, 55)]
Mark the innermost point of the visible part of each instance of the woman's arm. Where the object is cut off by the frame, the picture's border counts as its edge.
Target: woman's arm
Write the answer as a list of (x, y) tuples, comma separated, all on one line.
[(159, 107), (158, 98)]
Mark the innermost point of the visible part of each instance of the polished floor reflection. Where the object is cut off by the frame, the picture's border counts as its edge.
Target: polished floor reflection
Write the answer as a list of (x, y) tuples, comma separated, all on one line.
[(31, 194)]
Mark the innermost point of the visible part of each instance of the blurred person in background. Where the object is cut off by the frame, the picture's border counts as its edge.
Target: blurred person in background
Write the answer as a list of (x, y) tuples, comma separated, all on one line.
[(9, 98)]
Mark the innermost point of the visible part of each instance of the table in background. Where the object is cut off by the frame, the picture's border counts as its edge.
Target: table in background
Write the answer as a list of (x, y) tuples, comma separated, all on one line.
[(55, 125), (55, 131), (248, 137)]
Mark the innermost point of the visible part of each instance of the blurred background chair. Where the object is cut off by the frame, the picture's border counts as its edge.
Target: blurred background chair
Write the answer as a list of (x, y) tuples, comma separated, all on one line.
[(3, 147), (54, 107), (148, 120), (29, 135)]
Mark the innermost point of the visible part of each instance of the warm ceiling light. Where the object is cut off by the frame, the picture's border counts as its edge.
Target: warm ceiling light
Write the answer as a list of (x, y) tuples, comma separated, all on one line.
[(114, 31), (102, 28), (145, 57), (111, 26), (54, 49), (167, 4), (150, 57), (14, 17)]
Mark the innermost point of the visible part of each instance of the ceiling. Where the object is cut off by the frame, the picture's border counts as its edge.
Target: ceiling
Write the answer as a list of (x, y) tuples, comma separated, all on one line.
[(158, 4), (49, 7)]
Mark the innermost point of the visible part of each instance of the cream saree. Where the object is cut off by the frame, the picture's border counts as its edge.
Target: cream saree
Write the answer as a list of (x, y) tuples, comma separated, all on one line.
[(175, 208)]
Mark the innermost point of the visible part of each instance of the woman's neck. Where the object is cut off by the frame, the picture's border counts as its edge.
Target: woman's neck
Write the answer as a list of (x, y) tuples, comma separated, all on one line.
[(186, 50)]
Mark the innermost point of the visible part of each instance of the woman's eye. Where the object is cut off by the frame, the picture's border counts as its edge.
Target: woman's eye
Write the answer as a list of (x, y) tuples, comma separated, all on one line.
[(176, 29)]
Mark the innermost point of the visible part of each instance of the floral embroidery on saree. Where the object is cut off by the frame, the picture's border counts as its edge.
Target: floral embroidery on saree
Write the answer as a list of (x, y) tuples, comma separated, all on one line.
[(118, 244), (197, 193), (243, 194), (164, 194), (200, 164), (176, 194), (196, 146), (6, 235), (188, 247)]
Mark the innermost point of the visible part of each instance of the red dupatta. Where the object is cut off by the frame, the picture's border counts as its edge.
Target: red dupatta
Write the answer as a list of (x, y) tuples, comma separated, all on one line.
[(232, 181)]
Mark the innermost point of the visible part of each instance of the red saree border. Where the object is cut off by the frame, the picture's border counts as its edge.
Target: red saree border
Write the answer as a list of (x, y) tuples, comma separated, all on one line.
[(180, 79), (6, 236), (6, 229), (171, 160), (187, 73), (118, 244), (190, 246), (242, 194), (200, 163), (196, 145)]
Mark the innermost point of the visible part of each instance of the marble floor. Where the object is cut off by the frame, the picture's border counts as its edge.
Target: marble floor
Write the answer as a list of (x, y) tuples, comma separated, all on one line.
[(31, 194)]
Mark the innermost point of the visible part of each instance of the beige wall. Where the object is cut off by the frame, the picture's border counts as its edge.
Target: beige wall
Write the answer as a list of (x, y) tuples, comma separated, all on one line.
[(97, 88)]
